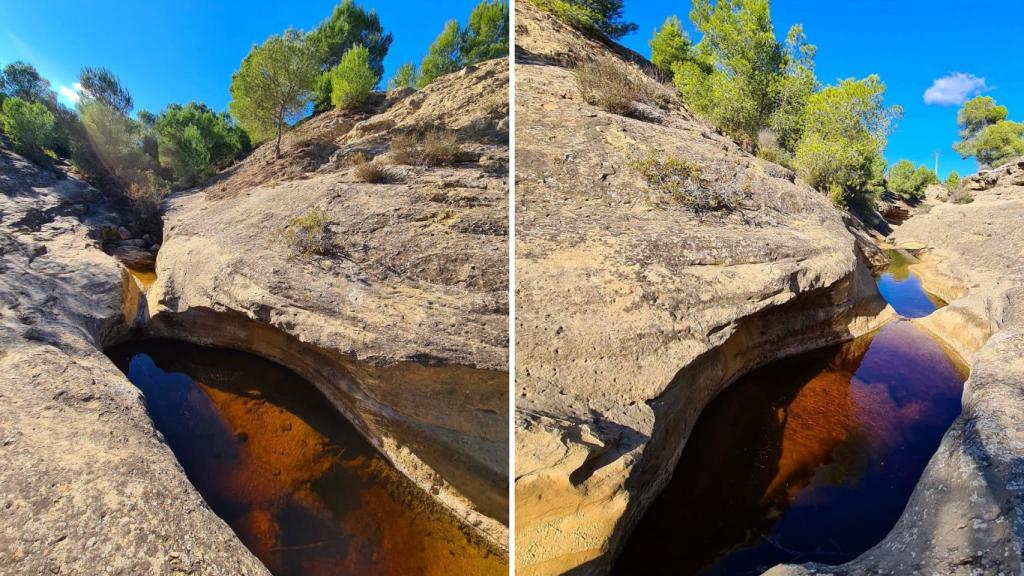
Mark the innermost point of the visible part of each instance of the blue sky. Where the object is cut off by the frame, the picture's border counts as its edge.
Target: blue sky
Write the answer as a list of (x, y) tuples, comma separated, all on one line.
[(910, 44), (182, 50)]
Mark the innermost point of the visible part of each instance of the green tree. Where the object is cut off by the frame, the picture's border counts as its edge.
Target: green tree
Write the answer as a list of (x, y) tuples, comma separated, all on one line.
[(22, 80), (953, 181), (486, 36), (444, 55), (30, 126), (193, 141), (741, 77), (997, 144), (349, 25), (600, 16), (977, 114), (405, 77), (352, 79), (846, 129), (273, 86), (909, 182), (669, 45), (102, 85)]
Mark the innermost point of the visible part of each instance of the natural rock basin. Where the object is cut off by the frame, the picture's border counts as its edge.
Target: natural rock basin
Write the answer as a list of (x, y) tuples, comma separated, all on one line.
[(297, 483), (903, 290), (809, 459)]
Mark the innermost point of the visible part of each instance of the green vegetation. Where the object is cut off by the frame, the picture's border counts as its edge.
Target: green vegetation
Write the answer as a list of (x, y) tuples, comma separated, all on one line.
[(484, 38), (273, 86), (103, 86), (352, 79), (21, 80), (310, 233), (987, 135), (670, 45), (444, 56), (909, 182), (349, 25), (952, 181), (29, 124), (194, 141), (405, 77), (741, 77), (846, 129), (602, 17)]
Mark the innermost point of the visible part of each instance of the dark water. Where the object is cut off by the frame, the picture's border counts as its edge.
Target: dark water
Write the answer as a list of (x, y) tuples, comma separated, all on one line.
[(301, 488), (811, 458), (903, 290)]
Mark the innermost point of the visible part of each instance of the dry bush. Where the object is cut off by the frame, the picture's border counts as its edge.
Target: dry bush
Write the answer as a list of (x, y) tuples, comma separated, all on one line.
[(310, 233), (960, 195), (433, 148), (684, 181), (357, 159), (373, 172), (609, 84), (768, 148)]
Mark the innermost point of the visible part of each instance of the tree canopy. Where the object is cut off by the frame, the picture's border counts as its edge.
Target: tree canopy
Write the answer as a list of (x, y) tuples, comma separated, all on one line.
[(193, 141), (909, 182), (486, 35), (444, 55), (102, 85), (273, 85), (741, 77), (846, 129), (670, 44), (22, 80), (348, 26), (30, 126), (352, 79), (986, 134), (599, 16), (405, 77)]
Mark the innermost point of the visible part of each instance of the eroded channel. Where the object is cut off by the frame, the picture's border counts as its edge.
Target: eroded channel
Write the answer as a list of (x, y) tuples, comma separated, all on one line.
[(809, 459), (294, 479)]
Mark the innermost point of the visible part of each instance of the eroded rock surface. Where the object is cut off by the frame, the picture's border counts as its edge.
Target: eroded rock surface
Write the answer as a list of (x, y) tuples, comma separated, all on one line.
[(87, 485), (403, 319), (633, 312), (966, 514)]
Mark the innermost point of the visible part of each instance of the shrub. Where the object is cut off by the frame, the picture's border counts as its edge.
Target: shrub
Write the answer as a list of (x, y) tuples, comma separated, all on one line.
[(593, 16), (607, 84), (953, 181), (30, 126), (405, 77), (960, 196), (683, 181), (373, 172), (310, 233), (193, 141), (768, 148), (908, 182), (434, 148), (352, 79)]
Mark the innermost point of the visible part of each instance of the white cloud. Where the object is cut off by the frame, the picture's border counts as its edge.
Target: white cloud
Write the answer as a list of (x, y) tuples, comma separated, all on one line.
[(71, 95), (954, 89)]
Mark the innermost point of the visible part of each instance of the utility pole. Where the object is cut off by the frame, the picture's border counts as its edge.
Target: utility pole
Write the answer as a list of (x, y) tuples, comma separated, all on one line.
[(936, 163)]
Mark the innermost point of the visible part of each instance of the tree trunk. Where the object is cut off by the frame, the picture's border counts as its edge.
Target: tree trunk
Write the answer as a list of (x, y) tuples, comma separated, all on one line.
[(277, 149)]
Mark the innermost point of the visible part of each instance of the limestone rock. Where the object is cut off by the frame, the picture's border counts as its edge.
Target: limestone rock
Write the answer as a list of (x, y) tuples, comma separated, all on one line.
[(633, 312), (88, 486), (402, 317)]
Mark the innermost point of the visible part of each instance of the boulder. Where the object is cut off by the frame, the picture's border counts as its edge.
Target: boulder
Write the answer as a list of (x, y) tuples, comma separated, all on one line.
[(633, 310), (400, 314), (89, 486)]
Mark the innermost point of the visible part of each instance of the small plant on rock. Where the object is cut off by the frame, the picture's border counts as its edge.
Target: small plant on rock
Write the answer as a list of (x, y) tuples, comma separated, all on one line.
[(609, 85), (310, 233), (373, 172), (684, 181), (434, 148)]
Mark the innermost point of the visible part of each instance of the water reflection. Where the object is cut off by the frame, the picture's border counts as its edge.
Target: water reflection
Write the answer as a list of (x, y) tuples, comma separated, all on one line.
[(904, 291), (811, 458), (301, 488)]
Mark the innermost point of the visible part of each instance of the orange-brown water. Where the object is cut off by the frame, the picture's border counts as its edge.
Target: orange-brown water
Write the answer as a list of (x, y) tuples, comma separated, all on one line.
[(812, 458), (301, 488)]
